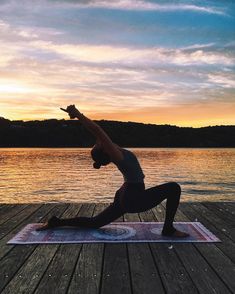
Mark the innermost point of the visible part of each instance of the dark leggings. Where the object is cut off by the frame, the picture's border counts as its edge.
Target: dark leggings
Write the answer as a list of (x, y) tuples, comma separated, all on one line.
[(133, 198)]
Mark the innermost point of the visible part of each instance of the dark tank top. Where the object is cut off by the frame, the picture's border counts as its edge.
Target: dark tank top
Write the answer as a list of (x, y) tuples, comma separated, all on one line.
[(130, 168)]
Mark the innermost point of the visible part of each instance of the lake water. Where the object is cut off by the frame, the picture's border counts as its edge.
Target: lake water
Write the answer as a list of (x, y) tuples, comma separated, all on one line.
[(32, 175)]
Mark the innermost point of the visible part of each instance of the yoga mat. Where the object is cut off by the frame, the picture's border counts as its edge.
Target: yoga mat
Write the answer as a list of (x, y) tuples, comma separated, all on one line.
[(116, 232)]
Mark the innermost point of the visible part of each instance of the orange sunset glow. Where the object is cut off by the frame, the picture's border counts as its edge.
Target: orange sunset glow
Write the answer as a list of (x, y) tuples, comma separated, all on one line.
[(126, 60)]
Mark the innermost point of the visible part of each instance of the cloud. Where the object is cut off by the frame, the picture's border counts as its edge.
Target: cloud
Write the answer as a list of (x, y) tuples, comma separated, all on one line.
[(198, 46), (128, 5), (5, 58), (224, 81), (138, 5), (129, 55), (20, 33), (145, 5)]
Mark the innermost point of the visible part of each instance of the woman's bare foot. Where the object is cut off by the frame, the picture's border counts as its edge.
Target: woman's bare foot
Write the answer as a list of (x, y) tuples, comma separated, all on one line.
[(176, 234), (43, 227), (51, 223), (179, 234)]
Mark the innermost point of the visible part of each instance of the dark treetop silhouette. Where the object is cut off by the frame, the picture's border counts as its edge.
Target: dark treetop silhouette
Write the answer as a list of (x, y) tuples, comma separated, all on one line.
[(69, 133)]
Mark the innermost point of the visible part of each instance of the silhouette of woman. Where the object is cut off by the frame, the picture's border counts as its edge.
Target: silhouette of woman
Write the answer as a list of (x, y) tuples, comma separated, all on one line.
[(132, 197)]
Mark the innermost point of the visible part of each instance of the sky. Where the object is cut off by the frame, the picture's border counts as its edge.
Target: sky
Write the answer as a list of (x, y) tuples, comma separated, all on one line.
[(160, 62)]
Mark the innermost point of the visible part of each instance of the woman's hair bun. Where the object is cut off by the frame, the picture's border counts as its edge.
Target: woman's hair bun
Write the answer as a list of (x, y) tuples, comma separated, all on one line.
[(96, 165)]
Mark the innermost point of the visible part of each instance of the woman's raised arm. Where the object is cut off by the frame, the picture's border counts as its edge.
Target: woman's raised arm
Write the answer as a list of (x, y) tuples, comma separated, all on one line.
[(107, 144)]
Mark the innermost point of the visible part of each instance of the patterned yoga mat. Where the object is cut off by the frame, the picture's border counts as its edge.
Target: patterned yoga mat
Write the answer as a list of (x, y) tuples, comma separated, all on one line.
[(116, 232)]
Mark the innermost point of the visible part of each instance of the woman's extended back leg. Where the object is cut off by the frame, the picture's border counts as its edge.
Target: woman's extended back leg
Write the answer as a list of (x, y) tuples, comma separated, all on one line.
[(109, 214)]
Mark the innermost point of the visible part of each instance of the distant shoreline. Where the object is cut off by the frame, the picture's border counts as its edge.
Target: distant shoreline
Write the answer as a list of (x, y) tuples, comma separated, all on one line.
[(55, 133), (111, 121)]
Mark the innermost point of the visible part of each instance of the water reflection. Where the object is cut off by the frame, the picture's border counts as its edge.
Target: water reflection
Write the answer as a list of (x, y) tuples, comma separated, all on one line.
[(67, 175)]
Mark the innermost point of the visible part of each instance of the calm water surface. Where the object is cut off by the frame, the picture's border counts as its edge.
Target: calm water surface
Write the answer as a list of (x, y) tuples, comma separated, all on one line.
[(66, 175)]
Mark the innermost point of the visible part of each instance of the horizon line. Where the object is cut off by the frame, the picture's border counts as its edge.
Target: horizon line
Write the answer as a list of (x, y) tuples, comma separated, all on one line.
[(206, 126)]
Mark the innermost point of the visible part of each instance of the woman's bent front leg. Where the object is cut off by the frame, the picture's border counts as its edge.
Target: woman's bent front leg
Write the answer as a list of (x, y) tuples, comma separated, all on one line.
[(155, 195)]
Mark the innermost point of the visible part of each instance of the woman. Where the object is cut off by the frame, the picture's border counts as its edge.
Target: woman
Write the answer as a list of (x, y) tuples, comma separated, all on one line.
[(132, 197)]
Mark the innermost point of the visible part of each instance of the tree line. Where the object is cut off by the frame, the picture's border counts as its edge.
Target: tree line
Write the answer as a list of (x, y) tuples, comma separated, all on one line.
[(70, 133)]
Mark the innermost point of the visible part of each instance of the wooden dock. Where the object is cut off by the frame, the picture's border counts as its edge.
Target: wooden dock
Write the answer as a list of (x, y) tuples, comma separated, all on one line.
[(138, 268)]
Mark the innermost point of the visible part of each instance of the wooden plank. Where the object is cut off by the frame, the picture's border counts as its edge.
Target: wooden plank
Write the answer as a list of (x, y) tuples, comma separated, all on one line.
[(12, 261), (14, 220), (7, 211), (14, 225), (221, 265), (88, 271), (212, 219), (227, 245), (11, 212), (57, 275), (221, 213), (174, 276), (200, 271), (116, 275), (144, 272), (228, 207), (219, 228), (228, 204), (4, 206), (159, 212), (224, 226)]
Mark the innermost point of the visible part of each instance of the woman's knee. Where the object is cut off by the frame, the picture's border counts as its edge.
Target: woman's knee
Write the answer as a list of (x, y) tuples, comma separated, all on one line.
[(175, 188)]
